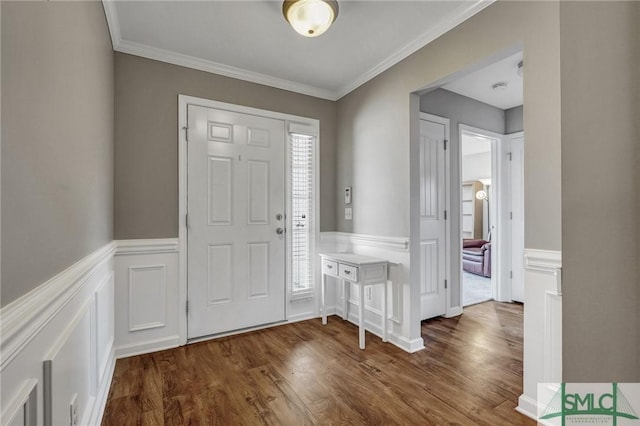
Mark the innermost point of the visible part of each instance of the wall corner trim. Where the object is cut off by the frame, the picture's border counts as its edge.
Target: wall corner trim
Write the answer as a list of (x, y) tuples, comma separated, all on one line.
[(23, 318)]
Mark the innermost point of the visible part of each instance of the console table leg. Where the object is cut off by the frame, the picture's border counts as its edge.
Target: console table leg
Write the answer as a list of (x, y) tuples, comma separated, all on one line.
[(361, 316), (384, 313), (345, 299), (324, 306)]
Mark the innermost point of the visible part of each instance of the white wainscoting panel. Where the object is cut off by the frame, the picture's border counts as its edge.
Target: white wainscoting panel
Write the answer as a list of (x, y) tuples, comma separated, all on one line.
[(394, 249), (147, 308), (542, 324), (69, 320), (147, 297)]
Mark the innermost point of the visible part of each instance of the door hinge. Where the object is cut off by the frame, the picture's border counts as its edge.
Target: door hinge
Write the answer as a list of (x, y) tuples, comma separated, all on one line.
[(187, 307), (445, 284), (186, 133), (511, 274), (445, 144), (510, 215), (510, 155), (186, 220), (445, 215)]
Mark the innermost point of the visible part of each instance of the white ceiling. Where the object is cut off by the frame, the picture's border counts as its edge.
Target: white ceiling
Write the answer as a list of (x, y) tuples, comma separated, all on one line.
[(472, 145), (477, 85), (252, 41)]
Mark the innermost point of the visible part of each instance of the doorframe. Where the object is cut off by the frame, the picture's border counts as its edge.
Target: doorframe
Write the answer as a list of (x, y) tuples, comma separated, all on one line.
[(500, 262), (291, 121), (449, 311), (515, 251)]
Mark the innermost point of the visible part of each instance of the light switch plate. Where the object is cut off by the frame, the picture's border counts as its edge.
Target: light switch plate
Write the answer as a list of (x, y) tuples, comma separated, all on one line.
[(347, 195), (348, 213)]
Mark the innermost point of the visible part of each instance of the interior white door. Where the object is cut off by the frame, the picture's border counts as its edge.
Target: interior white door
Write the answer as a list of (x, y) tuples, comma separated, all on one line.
[(517, 218), (432, 219), (236, 202)]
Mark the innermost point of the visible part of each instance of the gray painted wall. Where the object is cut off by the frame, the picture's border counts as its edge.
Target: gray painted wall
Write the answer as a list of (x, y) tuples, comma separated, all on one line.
[(514, 120), (600, 158), (378, 121), (146, 146), (460, 110), (57, 139), (374, 120)]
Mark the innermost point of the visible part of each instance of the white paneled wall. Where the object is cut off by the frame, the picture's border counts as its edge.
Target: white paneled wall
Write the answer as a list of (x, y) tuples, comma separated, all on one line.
[(123, 300), (147, 296), (542, 325), (68, 321)]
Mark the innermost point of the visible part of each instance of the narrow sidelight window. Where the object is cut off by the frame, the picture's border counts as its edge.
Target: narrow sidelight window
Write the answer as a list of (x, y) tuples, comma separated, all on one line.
[(302, 218)]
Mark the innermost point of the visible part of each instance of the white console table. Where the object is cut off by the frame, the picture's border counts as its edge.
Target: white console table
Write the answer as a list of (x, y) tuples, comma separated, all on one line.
[(360, 270)]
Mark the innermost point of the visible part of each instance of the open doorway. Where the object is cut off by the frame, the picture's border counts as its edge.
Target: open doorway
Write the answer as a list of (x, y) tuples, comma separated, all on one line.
[(483, 111), (477, 224)]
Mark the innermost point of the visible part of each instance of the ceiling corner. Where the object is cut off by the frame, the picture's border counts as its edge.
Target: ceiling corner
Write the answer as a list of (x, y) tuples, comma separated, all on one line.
[(112, 22)]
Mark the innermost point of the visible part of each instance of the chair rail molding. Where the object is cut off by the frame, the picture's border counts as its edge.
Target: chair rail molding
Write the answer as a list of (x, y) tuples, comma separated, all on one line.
[(22, 319), (150, 246), (391, 243)]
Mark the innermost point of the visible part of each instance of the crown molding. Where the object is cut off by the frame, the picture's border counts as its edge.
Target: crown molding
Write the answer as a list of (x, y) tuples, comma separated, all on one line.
[(460, 15), (174, 58), (138, 49), (112, 21)]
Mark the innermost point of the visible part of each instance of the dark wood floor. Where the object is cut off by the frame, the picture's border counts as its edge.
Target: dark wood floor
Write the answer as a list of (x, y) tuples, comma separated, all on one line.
[(306, 373)]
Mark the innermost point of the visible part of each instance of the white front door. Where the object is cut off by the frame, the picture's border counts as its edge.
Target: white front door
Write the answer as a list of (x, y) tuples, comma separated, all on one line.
[(432, 219), (517, 218), (236, 201)]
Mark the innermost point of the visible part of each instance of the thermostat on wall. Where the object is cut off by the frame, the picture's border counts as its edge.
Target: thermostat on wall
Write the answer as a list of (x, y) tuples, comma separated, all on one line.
[(347, 195)]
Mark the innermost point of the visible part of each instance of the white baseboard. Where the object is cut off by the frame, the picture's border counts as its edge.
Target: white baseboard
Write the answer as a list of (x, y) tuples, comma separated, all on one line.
[(405, 344), (148, 346), (301, 317), (527, 406), (68, 321), (453, 312)]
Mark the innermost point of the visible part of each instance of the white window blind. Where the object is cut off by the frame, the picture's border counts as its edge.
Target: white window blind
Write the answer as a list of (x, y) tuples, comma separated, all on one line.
[(302, 211)]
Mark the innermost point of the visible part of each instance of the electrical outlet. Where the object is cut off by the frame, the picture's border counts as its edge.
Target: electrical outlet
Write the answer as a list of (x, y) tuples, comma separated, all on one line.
[(348, 213), (73, 410)]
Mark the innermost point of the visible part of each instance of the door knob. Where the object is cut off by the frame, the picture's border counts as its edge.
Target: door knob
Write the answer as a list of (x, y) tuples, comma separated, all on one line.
[(280, 231), (279, 216)]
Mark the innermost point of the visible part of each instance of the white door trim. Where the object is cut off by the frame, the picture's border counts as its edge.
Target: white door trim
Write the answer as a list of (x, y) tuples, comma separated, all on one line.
[(500, 281), (183, 102), (447, 189), (515, 251)]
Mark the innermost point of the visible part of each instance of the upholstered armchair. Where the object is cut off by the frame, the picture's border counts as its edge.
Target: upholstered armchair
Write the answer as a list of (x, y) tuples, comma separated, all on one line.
[(476, 257)]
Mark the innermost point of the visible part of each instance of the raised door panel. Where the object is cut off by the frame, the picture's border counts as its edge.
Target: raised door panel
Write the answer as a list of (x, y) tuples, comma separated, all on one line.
[(220, 191)]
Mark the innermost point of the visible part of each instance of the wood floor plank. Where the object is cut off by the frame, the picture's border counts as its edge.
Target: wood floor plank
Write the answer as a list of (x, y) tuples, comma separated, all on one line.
[(308, 374)]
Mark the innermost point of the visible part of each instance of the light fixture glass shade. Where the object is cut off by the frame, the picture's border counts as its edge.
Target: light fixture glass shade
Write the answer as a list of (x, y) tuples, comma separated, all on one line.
[(310, 18), (481, 195)]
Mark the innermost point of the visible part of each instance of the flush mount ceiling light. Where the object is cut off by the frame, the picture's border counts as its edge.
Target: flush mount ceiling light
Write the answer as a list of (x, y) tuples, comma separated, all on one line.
[(310, 18)]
